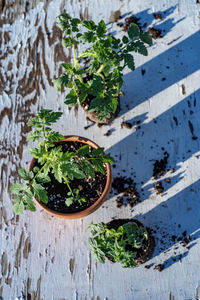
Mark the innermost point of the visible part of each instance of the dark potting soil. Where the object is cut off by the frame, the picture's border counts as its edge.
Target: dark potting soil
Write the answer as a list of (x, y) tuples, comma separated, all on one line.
[(155, 33), (127, 187), (147, 249), (159, 166), (90, 188)]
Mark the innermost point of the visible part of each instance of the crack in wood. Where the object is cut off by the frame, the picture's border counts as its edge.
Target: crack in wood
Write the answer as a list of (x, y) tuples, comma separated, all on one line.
[(4, 264), (71, 265), (27, 248), (18, 253)]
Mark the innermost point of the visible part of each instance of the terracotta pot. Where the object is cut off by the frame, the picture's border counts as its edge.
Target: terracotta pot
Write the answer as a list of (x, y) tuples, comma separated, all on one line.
[(148, 247), (94, 206)]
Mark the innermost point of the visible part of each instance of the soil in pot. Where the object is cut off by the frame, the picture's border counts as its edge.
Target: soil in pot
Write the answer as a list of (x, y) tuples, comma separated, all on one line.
[(90, 188), (146, 251)]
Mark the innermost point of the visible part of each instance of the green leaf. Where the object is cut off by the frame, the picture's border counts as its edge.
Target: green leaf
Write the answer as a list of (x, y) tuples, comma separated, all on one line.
[(99, 166), (129, 61), (88, 168), (125, 40), (57, 172), (25, 174), (89, 25), (101, 29), (69, 201), (71, 98), (68, 67), (66, 43), (55, 136), (142, 49), (64, 17), (43, 178), (35, 122), (97, 228), (40, 193), (28, 201), (133, 31), (18, 207), (72, 170), (60, 81), (146, 38), (34, 136), (49, 116), (16, 188), (83, 151)]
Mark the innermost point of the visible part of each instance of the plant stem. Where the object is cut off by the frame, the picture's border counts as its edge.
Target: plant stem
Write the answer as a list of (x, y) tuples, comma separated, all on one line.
[(67, 182), (100, 69), (44, 136)]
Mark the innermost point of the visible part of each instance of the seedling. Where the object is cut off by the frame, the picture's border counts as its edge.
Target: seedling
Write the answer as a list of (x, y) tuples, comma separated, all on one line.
[(120, 245), (95, 77), (65, 166)]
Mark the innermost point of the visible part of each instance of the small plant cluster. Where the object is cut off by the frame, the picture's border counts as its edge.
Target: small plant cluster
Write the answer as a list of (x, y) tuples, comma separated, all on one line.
[(120, 245), (95, 77), (65, 166)]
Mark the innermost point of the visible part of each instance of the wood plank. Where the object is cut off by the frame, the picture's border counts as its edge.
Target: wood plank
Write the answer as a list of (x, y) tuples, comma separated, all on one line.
[(46, 258)]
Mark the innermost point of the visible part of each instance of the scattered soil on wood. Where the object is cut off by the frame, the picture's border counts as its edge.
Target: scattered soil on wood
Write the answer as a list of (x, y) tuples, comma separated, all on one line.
[(147, 249), (159, 167), (183, 89), (159, 188), (155, 33), (126, 124), (128, 21), (127, 187), (108, 133), (159, 267), (90, 188), (157, 16)]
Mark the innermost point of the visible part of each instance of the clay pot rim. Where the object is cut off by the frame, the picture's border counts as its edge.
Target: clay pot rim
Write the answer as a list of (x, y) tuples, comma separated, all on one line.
[(98, 202)]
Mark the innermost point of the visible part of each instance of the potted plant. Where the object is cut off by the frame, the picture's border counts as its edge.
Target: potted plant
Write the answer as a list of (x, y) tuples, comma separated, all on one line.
[(69, 177), (94, 77), (126, 241)]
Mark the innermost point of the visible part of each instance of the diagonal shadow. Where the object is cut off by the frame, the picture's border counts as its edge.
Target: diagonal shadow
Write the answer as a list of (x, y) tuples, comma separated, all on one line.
[(175, 131), (161, 72), (174, 220)]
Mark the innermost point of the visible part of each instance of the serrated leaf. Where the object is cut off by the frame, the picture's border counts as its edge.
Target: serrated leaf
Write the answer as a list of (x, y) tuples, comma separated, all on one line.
[(16, 188), (25, 174), (66, 43), (83, 151), (129, 61), (99, 166), (28, 201), (60, 81), (101, 28), (43, 178), (133, 31), (89, 25), (57, 172), (72, 170), (125, 40), (18, 207), (146, 38), (69, 201), (71, 98), (88, 168), (40, 193)]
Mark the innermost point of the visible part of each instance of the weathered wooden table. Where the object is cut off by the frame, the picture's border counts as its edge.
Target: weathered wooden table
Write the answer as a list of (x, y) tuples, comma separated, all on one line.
[(47, 258)]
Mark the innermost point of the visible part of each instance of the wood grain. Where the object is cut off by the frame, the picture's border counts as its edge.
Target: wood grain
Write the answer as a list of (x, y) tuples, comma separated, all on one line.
[(46, 258)]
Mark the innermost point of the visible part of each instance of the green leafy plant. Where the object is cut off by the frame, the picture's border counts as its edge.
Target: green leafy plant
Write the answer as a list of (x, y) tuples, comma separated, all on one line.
[(95, 76), (120, 245), (65, 166)]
